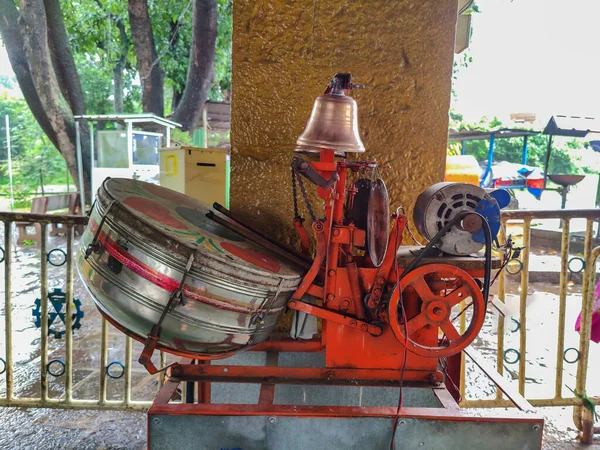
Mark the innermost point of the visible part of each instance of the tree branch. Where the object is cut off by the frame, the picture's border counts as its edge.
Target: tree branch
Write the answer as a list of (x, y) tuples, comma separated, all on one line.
[(202, 63), (35, 32), (64, 64), (150, 71), (15, 46)]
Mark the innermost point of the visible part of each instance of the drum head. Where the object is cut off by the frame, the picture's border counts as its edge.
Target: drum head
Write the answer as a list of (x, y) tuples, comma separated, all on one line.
[(378, 229), (182, 221)]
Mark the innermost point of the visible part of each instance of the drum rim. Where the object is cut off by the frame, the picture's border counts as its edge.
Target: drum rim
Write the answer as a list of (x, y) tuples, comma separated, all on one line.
[(287, 273)]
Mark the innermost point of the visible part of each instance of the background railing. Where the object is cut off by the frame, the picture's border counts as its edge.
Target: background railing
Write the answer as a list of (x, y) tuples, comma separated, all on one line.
[(104, 370), (58, 368), (523, 220)]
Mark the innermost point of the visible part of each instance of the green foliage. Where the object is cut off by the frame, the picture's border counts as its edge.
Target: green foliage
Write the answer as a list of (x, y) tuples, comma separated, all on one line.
[(96, 81), (7, 82), (92, 26), (180, 137), (563, 156), (223, 51), (172, 27), (35, 161)]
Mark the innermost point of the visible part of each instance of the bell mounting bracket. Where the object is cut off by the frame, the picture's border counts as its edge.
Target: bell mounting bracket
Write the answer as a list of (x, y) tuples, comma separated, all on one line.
[(304, 168), (340, 83)]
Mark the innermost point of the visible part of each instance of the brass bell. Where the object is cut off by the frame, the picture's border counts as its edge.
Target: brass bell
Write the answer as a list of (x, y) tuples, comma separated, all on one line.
[(333, 124)]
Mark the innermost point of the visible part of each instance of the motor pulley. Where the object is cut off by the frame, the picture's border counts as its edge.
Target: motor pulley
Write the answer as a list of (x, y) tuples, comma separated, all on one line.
[(442, 203)]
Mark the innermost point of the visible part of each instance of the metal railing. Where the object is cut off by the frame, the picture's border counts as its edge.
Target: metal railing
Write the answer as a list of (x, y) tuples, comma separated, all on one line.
[(590, 257), (66, 400), (126, 401)]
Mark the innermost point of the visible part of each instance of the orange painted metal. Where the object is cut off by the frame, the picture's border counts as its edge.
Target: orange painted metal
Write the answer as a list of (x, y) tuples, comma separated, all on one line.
[(436, 310), (297, 375), (333, 316), (361, 333), (161, 406), (304, 241)]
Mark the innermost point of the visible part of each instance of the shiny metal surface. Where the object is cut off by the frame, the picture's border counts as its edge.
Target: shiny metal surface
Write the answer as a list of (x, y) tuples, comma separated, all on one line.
[(333, 125), (378, 222), (439, 204), (234, 292)]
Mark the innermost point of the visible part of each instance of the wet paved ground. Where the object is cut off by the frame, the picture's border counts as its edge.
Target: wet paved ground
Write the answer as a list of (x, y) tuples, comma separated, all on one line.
[(66, 429)]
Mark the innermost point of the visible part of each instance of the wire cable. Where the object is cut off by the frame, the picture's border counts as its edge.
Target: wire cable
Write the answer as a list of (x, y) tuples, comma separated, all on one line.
[(486, 287), (405, 354)]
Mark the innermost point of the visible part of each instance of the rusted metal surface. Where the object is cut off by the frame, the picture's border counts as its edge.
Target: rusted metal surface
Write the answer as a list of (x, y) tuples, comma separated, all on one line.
[(42, 218), (297, 375), (518, 214)]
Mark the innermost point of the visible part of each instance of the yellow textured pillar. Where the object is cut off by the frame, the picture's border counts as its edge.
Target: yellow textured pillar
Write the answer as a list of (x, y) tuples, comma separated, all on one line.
[(285, 53)]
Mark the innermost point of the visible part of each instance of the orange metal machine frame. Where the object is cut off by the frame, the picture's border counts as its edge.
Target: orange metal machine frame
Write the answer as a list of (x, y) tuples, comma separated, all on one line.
[(375, 331)]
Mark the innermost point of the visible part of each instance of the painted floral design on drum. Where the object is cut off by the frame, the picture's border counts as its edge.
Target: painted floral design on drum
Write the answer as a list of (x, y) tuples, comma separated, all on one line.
[(253, 256), (154, 211), (171, 196)]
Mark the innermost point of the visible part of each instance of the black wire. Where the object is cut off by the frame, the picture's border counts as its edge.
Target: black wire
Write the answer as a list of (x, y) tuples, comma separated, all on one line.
[(405, 355), (488, 250), (486, 287)]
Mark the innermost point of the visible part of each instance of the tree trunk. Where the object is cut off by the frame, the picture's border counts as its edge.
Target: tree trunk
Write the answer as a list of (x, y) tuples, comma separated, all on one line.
[(119, 67), (12, 37), (176, 99), (151, 73), (201, 69), (62, 57), (33, 24)]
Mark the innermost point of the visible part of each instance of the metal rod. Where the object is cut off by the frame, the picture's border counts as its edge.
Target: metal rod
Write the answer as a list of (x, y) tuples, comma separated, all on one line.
[(42, 218), (103, 362), (501, 318), (8, 308), (80, 166), (9, 158), (523, 305), (44, 311), (524, 151), (163, 364), (227, 213), (547, 162), (251, 236), (127, 384), (562, 296), (92, 156), (463, 361), (75, 404), (69, 318), (550, 214), (590, 257), (536, 402)]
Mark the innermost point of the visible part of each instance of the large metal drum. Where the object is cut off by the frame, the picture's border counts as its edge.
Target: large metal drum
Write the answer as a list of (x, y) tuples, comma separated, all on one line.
[(234, 292)]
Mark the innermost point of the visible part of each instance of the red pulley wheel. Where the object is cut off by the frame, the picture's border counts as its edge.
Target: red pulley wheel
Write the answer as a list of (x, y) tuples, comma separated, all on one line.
[(436, 309)]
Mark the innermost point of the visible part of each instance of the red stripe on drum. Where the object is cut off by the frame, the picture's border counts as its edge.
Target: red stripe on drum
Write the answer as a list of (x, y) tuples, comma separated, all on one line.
[(168, 283)]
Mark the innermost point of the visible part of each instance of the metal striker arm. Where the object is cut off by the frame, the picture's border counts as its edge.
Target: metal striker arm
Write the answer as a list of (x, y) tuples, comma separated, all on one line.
[(151, 341), (304, 168)]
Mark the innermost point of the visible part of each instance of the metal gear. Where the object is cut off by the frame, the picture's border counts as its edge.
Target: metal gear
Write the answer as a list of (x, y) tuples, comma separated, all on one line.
[(57, 299)]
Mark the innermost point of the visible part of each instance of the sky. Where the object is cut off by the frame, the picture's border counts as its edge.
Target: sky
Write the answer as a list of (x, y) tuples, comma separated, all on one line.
[(539, 56)]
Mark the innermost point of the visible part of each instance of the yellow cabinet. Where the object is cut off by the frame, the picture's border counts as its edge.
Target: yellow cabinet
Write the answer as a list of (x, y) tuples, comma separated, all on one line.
[(201, 173)]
